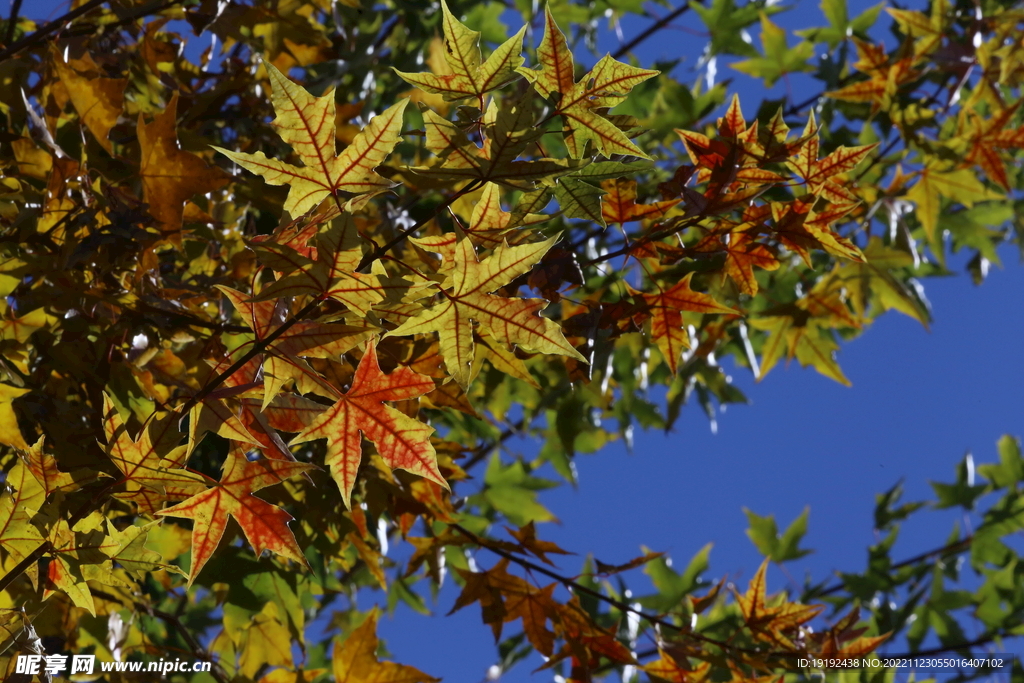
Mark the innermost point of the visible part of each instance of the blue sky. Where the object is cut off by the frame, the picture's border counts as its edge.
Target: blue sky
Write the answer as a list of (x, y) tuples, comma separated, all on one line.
[(919, 400)]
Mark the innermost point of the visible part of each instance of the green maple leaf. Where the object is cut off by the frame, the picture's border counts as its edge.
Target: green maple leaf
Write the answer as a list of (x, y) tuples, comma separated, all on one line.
[(779, 59)]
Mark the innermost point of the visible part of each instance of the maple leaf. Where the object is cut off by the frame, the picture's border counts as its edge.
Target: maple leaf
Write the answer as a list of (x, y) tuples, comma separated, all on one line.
[(800, 227), (528, 542), (79, 554), (467, 297), (666, 668), (10, 433), (490, 225), (510, 131), (666, 307), (45, 471), (582, 105), (988, 137), (468, 77), (822, 175), (355, 659), (927, 29), (742, 254), (131, 552), (771, 622), (779, 59), (801, 337), (310, 339), (873, 282), (170, 175), (584, 637), (338, 253), (285, 413), (884, 80), (20, 327), (264, 525), (619, 203), (960, 185), (266, 641), (402, 442), (504, 597), (97, 99), (307, 124), (141, 465), (18, 504)]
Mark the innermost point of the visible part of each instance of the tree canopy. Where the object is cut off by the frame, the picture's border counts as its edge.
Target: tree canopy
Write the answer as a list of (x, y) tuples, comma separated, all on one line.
[(299, 291)]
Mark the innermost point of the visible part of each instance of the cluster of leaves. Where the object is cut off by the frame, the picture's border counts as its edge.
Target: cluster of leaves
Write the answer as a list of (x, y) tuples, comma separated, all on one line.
[(501, 247)]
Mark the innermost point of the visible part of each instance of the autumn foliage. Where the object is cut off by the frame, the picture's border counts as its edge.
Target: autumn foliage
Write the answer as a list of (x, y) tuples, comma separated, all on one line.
[(296, 292)]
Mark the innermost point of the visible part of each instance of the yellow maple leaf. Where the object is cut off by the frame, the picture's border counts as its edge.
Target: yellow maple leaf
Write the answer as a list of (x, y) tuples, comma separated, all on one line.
[(466, 76), (170, 175), (583, 105), (355, 660), (307, 124), (466, 297)]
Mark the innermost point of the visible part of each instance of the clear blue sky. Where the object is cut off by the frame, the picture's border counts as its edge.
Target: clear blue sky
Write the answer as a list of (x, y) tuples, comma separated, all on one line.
[(919, 400)]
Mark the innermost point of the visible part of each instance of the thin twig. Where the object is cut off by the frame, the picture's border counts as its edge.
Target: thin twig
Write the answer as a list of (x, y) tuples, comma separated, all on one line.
[(13, 21), (954, 548), (172, 620), (397, 239), (651, 30), (36, 36), (481, 451), (577, 587)]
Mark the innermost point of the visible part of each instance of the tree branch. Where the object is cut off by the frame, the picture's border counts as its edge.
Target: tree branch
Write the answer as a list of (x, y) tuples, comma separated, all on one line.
[(36, 36), (954, 548), (13, 21), (577, 587), (397, 239), (173, 621), (651, 30)]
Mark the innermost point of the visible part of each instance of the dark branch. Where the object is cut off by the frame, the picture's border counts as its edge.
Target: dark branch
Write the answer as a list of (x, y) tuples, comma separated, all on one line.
[(36, 36), (13, 21), (173, 621), (651, 30)]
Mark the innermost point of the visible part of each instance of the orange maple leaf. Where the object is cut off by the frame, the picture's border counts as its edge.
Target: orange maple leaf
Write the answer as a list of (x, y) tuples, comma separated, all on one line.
[(771, 623), (265, 525), (147, 475), (619, 204), (987, 137), (170, 175), (308, 339), (742, 254), (823, 175), (403, 443), (666, 307)]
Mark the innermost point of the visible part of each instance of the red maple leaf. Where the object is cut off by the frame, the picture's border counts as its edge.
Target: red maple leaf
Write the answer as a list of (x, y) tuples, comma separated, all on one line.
[(403, 443), (265, 525)]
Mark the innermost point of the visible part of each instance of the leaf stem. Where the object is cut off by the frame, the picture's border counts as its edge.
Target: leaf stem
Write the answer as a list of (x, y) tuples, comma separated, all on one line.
[(397, 239)]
